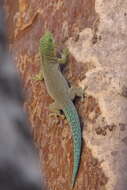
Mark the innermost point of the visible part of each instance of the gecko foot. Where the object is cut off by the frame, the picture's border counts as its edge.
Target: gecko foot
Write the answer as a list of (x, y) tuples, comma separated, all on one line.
[(38, 77)]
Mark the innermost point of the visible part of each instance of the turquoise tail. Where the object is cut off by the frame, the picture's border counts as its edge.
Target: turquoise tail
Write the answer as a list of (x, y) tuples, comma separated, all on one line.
[(73, 119)]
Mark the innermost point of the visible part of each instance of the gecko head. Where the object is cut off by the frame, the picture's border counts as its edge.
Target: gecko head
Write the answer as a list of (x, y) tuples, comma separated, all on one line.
[(47, 45)]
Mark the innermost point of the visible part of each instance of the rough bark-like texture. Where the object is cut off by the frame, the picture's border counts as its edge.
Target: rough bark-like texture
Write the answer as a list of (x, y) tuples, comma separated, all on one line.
[(95, 33), (19, 163)]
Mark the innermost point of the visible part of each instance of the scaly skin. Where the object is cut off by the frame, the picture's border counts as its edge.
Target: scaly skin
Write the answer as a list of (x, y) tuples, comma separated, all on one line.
[(59, 90)]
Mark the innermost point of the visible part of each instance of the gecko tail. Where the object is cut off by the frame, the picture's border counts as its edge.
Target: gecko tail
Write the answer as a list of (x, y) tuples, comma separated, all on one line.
[(73, 119), (73, 181)]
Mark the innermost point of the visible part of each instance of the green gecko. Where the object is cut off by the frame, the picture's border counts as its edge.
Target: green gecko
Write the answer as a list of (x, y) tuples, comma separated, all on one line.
[(62, 94)]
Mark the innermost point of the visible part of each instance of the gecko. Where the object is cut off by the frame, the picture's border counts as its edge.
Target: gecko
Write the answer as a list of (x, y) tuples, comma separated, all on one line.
[(61, 93)]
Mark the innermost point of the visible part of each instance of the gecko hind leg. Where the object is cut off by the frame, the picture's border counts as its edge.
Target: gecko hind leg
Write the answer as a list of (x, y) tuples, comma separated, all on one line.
[(55, 109), (76, 91)]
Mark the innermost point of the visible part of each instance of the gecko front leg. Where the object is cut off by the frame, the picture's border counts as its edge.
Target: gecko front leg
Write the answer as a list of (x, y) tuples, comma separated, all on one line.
[(64, 56), (38, 77)]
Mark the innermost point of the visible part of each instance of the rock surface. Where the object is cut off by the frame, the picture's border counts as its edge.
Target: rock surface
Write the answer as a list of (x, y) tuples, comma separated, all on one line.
[(96, 34), (19, 163)]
